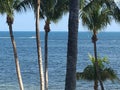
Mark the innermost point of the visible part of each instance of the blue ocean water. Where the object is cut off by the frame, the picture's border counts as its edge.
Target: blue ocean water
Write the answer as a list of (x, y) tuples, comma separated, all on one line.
[(108, 45)]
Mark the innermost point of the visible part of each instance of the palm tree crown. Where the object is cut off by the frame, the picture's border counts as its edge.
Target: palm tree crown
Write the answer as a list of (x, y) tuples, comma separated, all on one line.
[(96, 18), (105, 72)]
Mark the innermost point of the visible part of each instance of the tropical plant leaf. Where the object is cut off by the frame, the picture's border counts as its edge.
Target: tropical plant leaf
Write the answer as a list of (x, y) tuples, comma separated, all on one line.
[(106, 73)]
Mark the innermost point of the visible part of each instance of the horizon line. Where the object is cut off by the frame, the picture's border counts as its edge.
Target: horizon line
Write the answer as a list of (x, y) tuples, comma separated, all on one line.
[(55, 31)]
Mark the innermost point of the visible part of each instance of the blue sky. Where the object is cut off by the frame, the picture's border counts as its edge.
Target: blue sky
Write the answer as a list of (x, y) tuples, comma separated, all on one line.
[(26, 22)]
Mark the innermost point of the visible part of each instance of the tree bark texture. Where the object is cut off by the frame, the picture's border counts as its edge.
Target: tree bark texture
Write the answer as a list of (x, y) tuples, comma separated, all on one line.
[(70, 83)]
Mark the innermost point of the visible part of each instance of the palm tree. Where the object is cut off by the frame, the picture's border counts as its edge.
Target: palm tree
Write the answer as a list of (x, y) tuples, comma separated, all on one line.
[(49, 11), (96, 18), (39, 46), (36, 6), (70, 82), (8, 7), (106, 73), (10, 22)]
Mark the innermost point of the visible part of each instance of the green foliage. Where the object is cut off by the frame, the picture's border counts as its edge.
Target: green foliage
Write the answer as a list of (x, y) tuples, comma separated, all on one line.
[(95, 16), (106, 73), (87, 74), (114, 9), (53, 10), (9, 6), (101, 61)]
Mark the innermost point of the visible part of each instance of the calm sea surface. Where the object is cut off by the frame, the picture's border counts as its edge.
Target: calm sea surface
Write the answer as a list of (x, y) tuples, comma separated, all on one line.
[(108, 45)]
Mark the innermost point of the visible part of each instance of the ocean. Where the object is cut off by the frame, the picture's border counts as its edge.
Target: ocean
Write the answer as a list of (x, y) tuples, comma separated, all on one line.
[(108, 45)]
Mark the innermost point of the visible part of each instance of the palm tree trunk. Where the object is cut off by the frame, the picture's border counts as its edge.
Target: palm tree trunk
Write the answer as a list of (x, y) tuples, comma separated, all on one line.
[(39, 47), (70, 83), (95, 67), (47, 30), (97, 72), (10, 22), (96, 85), (46, 60)]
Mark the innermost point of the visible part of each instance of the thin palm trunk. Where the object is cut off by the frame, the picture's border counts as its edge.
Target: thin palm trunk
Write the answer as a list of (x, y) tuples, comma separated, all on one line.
[(94, 38), (97, 72), (47, 29), (10, 22), (46, 60), (70, 83), (39, 48)]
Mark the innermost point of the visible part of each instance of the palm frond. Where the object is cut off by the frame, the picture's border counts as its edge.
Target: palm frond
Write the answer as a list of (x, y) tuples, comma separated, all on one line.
[(53, 9), (109, 74), (106, 73), (87, 74), (114, 8), (23, 5), (95, 17)]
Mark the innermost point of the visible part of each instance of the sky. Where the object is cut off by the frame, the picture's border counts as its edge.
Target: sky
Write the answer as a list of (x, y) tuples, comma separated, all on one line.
[(26, 22)]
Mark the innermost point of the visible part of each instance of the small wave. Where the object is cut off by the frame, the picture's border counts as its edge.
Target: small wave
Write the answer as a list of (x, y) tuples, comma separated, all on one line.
[(32, 37), (24, 37)]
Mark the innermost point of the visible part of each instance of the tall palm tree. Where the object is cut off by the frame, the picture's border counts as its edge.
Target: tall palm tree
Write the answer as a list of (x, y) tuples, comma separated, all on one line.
[(52, 11), (107, 73), (35, 5), (8, 7), (96, 18), (39, 46), (10, 22), (70, 82)]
